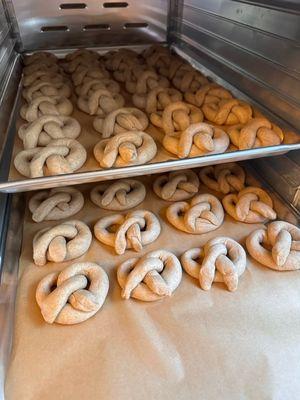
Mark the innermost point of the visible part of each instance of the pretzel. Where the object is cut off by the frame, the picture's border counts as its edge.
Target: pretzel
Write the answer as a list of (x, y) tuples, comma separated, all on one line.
[(228, 112), (176, 186), (153, 50), (188, 79), (120, 121), (131, 231), (40, 57), (87, 54), (46, 88), (160, 59), (176, 64), (258, 132), (156, 99), (118, 196), (46, 128), (90, 85), (120, 60), (42, 76), (203, 214), (87, 72), (176, 117), (100, 102), (63, 242), (222, 259), (55, 204), (251, 205), (61, 156), (152, 277), (276, 246), (197, 140), (143, 81), (210, 93), (49, 69), (81, 62), (128, 148), (46, 105), (73, 295), (224, 178)]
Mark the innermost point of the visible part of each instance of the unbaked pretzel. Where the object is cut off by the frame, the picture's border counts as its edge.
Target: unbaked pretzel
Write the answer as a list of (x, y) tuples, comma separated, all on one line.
[(40, 57), (81, 62), (210, 93), (32, 68), (46, 88), (224, 178), (152, 277), (42, 76), (73, 295), (100, 102), (277, 246), (222, 259), (228, 112), (46, 105), (143, 80), (176, 186), (85, 72), (188, 79), (131, 231), (90, 85), (156, 99), (88, 54), (121, 59)]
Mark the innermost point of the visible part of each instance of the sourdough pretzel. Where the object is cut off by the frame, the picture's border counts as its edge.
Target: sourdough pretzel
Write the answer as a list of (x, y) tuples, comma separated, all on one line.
[(228, 112), (133, 230), (46, 88), (128, 148), (144, 80), (73, 295), (46, 105), (100, 102), (222, 259), (277, 246), (203, 214), (90, 85), (42, 76), (119, 195), (224, 178), (40, 57), (63, 242), (84, 72), (210, 93), (188, 79), (176, 186), (156, 99), (55, 204), (251, 205), (120, 121), (152, 277)]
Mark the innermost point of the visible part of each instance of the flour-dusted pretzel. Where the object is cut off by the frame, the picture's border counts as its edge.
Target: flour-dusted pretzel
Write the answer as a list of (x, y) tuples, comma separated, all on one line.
[(90, 85), (46, 105), (203, 214), (119, 195), (228, 112), (197, 140), (46, 88), (121, 120), (176, 186), (156, 99), (100, 102), (73, 295), (128, 148), (55, 204), (277, 246), (222, 259), (251, 205), (85, 72), (32, 68), (143, 80), (258, 132), (224, 178), (188, 79), (61, 156), (40, 76), (63, 242), (40, 57), (152, 277), (46, 128), (131, 231), (210, 93), (176, 117)]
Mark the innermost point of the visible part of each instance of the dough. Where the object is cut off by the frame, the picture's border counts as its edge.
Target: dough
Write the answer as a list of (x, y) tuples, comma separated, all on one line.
[(46, 105), (176, 186), (224, 178), (228, 112)]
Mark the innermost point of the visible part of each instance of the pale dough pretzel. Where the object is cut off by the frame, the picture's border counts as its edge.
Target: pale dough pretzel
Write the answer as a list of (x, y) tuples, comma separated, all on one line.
[(81, 62), (224, 178), (100, 102), (128, 148), (131, 231), (46, 88), (176, 117), (188, 79), (55, 204), (203, 214), (251, 205), (144, 80), (222, 259), (73, 295), (176, 186), (258, 132), (46, 105), (63, 242), (121, 120), (118, 196), (152, 277), (88, 54), (156, 99), (85, 72), (277, 246), (42, 76), (90, 85), (197, 140), (61, 156), (228, 112), (40, 57), (32, 68), (46, 128), (210, 93)]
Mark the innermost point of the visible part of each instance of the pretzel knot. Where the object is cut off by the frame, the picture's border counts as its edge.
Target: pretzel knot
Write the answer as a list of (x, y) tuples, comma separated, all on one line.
[(119, 195), (128, 148), (40, 57), (197, 140), (210, 93), (225, 178), (222, 259), (83, 73), (204, 214), (42, 76), (188, 79), (149, 278), (46, 105), (61, 156), (277, 246), (70, 239), (156, 99), (120, 60), (176, 186), (142, 81), (73, 295), (55, 204), (32, 68), (228, 112), (120, 121), (251, 205), (176, 117), (46, 88), (81, 61), (258, 132), (100, 102), (90, 85), (87, 54), (131, 231)]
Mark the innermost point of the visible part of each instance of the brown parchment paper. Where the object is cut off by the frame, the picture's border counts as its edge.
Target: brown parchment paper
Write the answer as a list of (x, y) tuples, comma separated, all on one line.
[(193, 345)]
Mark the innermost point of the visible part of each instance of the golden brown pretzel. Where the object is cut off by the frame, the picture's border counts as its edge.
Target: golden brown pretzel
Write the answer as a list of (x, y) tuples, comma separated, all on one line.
[(176, 186), (100, 102), (210, 93), (225, 178), (228, 112), (46, 105), (156, 99), (188, 79)]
